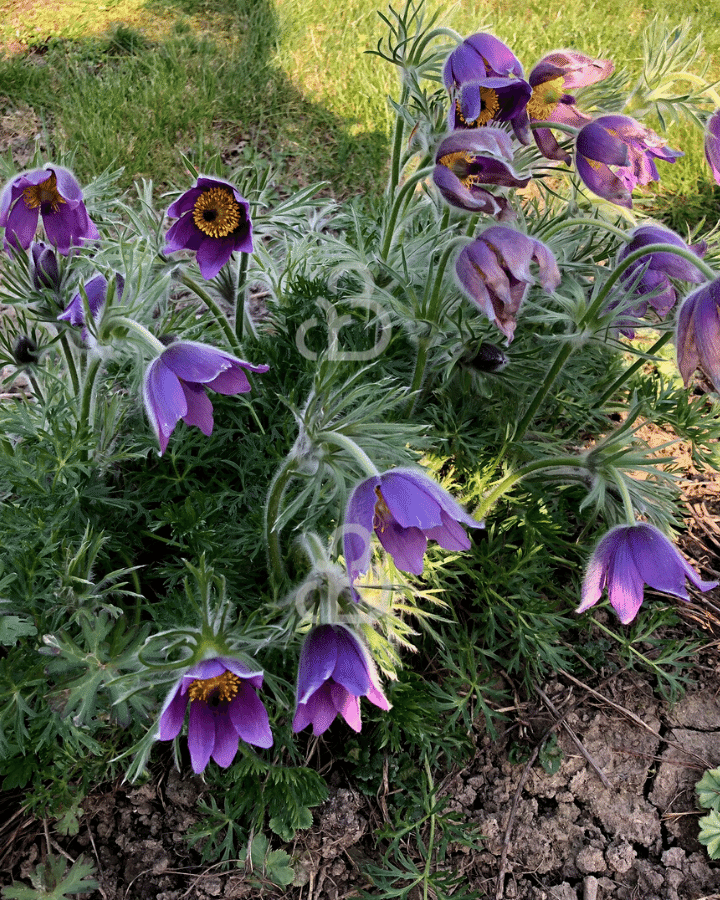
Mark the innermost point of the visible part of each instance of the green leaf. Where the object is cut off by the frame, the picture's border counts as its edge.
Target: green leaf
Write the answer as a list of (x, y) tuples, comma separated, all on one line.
[(708, 790), (710, 834), (13, 627), (50, 882), (278, 868)]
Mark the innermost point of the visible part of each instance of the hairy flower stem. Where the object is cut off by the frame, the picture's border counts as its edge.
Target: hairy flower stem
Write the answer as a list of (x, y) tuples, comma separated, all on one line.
[(510, 480), (596, 223), (148, 339), (631, 370), (627, 645), (592, 312), (400, 197), (242, 323), (87, 410), (213, 306), (348, 444), (396, 158), (431, 837), (627, 502), (70, 362), (276, 566)]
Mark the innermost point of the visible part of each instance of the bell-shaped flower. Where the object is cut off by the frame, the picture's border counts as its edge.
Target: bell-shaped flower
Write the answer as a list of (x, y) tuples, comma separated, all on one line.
[(405, 509), (550, 79), (224, 708), (628, 558), (96, 292), (698, 333), (626, 145), (650, 275), (466, 162), (44, 269), (53, 194), (213, 221), (335, 671), (494, 272), (176, 381), (485, 81), (712, 144)]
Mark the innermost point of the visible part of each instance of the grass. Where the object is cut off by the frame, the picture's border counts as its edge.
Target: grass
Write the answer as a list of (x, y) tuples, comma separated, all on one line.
[(134, 82)]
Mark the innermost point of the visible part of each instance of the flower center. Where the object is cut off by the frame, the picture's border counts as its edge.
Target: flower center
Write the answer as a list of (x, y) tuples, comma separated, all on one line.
[(489, 108), (545, 97), (383, 517), (44, 195), (460, 164), (214, 691), (217, 213)]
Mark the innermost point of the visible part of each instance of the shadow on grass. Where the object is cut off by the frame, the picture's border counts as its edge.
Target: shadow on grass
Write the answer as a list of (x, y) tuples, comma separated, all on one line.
[(123, 100)]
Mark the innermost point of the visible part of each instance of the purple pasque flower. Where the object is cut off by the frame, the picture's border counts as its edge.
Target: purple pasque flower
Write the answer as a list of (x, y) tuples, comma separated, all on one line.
[(550, 79), (404, 508), (651, 274), (96, 293), (627, 145), (698, 333), (224, 707), (466, 161), (52, 193), (628, 558), (175, 384), (712, 144), (335, 671), (485, 81), (213, 221), (494, 272), (44, 269)]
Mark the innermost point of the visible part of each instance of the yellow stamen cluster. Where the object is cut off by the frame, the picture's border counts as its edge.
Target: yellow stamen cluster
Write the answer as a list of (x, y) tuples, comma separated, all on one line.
[(459, 164), (217, 213), (44, 194), (489, 108), (545, 97), (222, 687), (382, 513)]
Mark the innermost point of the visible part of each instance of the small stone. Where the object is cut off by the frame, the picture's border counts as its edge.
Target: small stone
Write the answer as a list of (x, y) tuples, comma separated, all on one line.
[(674, 858), (620, 858), (590, 888), (589, 860)]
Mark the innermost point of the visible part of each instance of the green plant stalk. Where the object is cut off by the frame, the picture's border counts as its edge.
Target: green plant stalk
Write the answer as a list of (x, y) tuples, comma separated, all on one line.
[(396, 157), (431, 837), (348, 444), (400, 196), (213, 306), (592, 311), (600, 223), (624, 643), (419, 373), (510, 480), (239, 277), (276, 566), (627, 502), (631, 370), (147, 338), (70, 362)]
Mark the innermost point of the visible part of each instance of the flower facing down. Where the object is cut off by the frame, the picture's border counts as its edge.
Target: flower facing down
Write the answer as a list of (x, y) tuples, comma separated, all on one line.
[(96, 293), (550, 79), (224, 707), (335, 670), (494, 272), (485, 81), (52, 194), (405, 509), (175, 383), (628, 558), (712, 144), (213, 221), (651, 274), (467, 161), (698, 333), (625, 144)]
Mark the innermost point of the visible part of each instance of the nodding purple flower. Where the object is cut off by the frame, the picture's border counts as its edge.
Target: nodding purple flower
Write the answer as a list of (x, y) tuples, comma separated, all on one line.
[(494, 272), (627, 145), (44, 270), (651, 274), (712, 144), (405, 509), (175, 384), (485, 81), (224, 708), (96, 292), (213, 221), (467, 161), (698, 333), (335, 671), (550, 79), (53, 194), (628, 558)]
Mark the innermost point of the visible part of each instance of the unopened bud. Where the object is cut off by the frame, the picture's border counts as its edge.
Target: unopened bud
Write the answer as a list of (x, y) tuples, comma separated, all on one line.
[(25, 351), (44, 269), (487, 358)]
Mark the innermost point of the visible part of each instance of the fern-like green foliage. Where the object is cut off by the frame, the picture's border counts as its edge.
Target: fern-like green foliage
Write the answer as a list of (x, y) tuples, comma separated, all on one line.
[(52, 880)]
